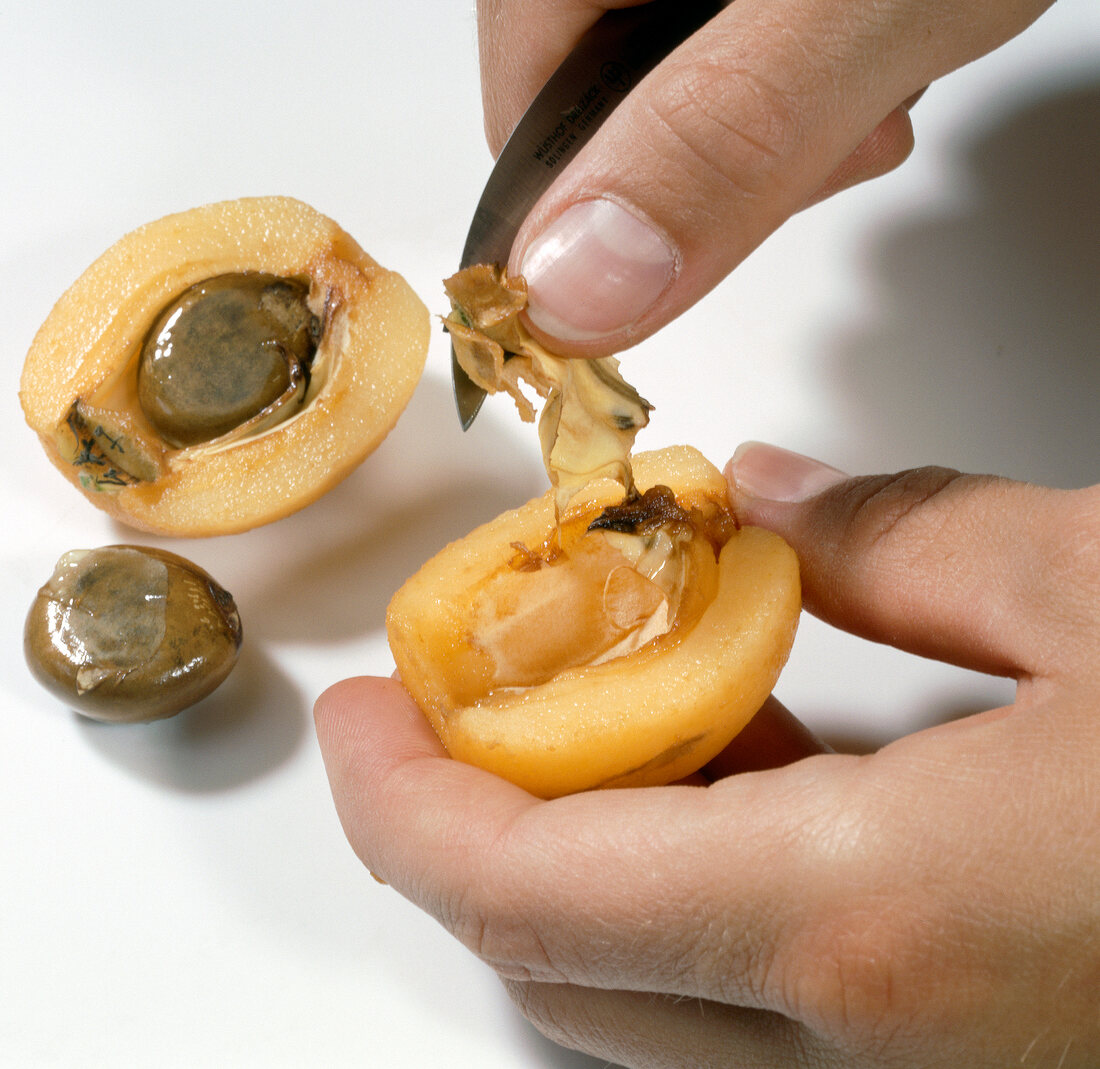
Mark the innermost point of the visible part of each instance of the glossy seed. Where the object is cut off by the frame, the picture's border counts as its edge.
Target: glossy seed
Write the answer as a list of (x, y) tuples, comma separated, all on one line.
[(126, 633), (223, 352)]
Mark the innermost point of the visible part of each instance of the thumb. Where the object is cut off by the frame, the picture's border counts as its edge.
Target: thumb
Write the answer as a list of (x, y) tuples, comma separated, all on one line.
[(756, 115), (991, 574)]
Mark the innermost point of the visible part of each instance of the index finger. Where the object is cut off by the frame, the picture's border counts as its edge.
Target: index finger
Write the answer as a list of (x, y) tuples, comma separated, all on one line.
[(520, 45), (611, 889)]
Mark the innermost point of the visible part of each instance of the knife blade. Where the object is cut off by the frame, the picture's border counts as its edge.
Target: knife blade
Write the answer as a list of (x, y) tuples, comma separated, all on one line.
[(608, 61)]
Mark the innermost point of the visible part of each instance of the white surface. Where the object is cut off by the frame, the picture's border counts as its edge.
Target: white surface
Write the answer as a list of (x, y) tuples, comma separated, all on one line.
[(181, 894)]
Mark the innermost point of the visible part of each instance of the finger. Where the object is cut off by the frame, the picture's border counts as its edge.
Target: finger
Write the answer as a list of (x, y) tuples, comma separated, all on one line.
[(663, 1032), (733, 133), (774, 737), (606, 889), (994, 575), (881, 151), (374, 738), (520, 45)]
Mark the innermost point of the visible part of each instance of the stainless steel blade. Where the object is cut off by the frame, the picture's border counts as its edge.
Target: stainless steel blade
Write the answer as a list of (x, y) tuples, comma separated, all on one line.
[(612, 57)]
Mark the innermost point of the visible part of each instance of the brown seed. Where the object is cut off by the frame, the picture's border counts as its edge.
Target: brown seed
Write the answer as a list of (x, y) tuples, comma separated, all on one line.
[(128, 633), (224, 351)]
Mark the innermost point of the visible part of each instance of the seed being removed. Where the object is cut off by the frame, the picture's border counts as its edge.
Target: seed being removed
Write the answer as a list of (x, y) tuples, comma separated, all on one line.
[(129, 633)]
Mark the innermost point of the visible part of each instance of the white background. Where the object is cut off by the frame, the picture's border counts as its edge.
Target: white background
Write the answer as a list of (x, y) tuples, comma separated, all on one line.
[(180, 894)]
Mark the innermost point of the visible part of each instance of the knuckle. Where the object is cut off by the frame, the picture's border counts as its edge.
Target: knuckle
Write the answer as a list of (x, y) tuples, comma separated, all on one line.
[(542, 1006), (1034, 551), (1072, 549), (501, 934), (915, 503), (928, 543), (1063, 588), (886, 536), (855, 962), (858, 966), (857, 978), (729, 120)]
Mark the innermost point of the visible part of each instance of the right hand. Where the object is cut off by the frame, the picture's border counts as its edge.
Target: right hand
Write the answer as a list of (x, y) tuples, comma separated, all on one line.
[(766, 109)]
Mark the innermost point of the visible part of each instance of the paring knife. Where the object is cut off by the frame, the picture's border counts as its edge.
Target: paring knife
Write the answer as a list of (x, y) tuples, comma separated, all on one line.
[(612, 57)]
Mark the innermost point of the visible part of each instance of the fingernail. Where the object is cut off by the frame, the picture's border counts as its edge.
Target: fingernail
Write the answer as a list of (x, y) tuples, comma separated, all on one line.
[(768, 473), (595, 270)]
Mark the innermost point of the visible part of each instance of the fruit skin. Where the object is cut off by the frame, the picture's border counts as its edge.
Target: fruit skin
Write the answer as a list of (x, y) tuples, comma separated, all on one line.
[(376, 341), (645, 719)]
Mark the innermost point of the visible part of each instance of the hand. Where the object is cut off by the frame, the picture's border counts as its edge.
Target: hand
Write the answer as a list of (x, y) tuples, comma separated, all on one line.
[(767, 108), (936, 904)]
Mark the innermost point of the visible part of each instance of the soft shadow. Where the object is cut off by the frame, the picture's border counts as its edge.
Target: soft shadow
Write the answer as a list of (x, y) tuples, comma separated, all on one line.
[(249, 726), (325, 574), (340, 588), (546, 1054), (867, 741), (329, 572), (984, 350)]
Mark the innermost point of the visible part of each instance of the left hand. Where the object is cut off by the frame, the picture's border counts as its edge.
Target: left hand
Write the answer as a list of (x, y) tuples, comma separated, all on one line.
[(934, 905)]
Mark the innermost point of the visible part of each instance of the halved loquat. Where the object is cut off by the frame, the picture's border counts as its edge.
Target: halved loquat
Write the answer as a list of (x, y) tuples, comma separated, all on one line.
[(223, 367), (625, 647)]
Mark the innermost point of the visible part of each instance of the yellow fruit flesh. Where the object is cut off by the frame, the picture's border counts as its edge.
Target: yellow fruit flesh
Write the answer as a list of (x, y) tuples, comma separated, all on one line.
[(507, 664), (369, 362)]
